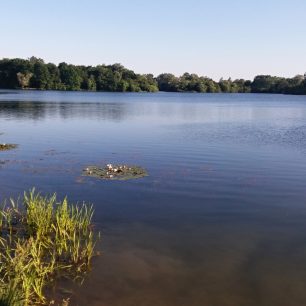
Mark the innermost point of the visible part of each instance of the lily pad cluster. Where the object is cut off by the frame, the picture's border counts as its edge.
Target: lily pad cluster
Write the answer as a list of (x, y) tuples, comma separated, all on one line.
[(115, 172)]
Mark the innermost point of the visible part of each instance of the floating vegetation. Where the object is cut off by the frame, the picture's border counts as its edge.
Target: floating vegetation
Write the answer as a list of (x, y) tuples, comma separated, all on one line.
[(7, 146), (115, 172), (42, 240)]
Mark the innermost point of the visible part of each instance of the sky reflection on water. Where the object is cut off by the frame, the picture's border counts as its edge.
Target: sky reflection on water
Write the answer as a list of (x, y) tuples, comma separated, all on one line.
[(221, 220)]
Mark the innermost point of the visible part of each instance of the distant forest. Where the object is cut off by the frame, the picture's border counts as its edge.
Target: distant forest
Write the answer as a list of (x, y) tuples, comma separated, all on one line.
[(36, 74)]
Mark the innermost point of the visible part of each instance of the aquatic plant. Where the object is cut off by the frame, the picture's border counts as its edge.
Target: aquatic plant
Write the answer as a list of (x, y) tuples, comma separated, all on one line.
[(9, 296), (7, 146), (41, 240), (115, 172)]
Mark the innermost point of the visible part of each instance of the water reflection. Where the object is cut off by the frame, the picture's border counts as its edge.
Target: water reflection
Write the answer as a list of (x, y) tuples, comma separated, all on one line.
[(39, 111), (35, 105), (219, 221)]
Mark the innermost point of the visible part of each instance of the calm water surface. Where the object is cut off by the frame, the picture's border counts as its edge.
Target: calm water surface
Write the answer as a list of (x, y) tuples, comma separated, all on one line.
[(221, 220)]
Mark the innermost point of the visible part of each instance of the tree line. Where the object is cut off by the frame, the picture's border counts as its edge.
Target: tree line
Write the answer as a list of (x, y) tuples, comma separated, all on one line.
[(35, 73)]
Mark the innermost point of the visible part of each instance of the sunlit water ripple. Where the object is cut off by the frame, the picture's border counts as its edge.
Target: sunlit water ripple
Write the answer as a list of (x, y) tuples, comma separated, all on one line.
[(221, 220)]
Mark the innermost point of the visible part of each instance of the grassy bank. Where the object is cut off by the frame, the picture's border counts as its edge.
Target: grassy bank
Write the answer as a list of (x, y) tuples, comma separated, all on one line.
[(42, 239)]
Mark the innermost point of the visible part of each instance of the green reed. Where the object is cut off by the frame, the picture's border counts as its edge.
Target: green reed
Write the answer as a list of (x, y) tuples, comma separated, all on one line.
[(40, 240)]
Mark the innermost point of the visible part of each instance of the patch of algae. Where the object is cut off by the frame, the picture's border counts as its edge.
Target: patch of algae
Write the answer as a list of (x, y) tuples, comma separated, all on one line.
[(115, 172)]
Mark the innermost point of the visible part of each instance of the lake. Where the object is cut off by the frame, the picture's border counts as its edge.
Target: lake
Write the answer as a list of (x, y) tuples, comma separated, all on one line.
[(221, 219)]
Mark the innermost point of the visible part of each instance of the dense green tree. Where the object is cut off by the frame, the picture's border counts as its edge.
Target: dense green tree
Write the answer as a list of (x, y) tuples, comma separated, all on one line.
[(147, 83), (41, 76), (242, 86), (225, 85), (35, 73), (70, 76), (54, 77), (91, 83), (212, 87), (264, 84), (9, 68), (167, 82)]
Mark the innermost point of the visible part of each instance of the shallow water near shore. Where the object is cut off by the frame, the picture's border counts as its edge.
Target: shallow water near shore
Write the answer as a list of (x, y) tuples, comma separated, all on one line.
[(221, 218)]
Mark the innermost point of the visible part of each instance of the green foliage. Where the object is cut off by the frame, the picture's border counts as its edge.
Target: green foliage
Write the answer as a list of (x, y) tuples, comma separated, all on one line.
[(168, 82), (54, 81), (70, 76), (194, 83), (35, 73), (9, 68), (9, 295), (271, 84), (40, 241), (90, 83)]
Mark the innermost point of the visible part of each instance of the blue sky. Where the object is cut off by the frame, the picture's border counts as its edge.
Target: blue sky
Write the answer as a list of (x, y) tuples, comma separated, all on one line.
[(217, 38)]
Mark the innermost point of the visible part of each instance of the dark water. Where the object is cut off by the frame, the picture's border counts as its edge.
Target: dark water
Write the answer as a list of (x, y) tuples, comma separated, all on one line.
[(221, 220)]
